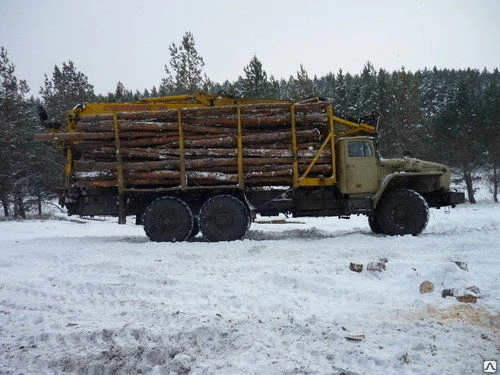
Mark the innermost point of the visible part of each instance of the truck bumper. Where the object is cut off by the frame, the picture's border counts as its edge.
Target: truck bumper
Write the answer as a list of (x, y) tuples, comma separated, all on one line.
[(445, 198)]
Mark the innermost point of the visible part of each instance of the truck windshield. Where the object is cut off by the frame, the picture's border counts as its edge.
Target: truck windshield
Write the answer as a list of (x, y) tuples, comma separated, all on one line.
[(359, 149)]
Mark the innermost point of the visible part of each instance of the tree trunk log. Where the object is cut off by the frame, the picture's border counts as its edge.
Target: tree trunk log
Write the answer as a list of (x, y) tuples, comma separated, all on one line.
[(470, 188), (129, 126)]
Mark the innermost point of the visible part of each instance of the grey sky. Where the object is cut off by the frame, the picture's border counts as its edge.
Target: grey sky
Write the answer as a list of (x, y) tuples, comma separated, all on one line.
[(128, 40)]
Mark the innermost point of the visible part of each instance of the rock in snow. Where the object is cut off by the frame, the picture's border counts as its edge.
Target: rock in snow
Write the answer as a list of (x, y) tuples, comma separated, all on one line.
[(356, 267), (467, 298), (448, 293), (355, 337), (473, 289), (462, 265), (426, 287), (376, 266)]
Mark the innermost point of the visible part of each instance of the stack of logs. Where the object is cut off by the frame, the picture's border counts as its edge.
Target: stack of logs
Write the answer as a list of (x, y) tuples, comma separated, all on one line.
[(150, 147)]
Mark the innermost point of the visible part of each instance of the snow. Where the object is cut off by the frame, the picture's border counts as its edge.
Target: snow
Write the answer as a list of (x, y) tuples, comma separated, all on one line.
[(92, 296), (93, 174)]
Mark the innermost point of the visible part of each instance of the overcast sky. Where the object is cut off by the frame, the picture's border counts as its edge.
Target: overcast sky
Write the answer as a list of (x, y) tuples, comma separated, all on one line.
[(127, 41)]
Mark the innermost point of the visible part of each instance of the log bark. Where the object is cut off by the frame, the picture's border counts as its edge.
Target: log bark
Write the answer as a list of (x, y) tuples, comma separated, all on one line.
[(215, 163), (147, 126), (160, 153), (260, 109), (89, 141), (255, 139), (173, 177)]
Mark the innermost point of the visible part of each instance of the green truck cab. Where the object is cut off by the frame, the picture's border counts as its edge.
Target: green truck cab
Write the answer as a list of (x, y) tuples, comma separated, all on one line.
[(397, 192)]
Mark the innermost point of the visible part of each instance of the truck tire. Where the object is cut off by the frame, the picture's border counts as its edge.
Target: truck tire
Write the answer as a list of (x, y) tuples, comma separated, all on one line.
[(374, 224), (403, 212), (223, 218), (168, 219)]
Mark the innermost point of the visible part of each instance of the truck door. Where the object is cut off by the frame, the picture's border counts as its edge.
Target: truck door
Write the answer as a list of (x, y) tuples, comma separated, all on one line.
[(361, 171)]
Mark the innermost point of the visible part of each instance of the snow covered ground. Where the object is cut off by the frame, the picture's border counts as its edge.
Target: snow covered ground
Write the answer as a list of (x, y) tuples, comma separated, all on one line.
[(92, 296)]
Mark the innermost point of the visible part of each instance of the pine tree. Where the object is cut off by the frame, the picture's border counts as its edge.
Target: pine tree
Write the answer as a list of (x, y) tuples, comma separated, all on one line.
[(457, 134), (303, 86), (274, 91), (120, 95), (325, 86), (383, 94), (491, 134), (67, 88), (13, 111), (187, 68), (368, 93), (255, 83), (402, 125), (25, 168), (340, 94), (226, 87), (44, 162), (154, 92)]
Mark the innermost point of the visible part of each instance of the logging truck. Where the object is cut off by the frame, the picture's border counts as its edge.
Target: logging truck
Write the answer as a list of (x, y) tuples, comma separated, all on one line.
[(211, 163)]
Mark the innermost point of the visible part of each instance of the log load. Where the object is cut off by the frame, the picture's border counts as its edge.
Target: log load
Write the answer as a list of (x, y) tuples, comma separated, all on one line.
[(156, 147)]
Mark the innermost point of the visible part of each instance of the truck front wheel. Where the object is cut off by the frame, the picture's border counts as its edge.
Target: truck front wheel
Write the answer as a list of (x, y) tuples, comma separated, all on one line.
[(168, 219), (224, 218), (373, 223), (403, 212)]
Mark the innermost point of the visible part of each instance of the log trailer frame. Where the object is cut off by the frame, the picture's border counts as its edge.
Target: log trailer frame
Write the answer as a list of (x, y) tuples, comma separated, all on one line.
[(395, 194)]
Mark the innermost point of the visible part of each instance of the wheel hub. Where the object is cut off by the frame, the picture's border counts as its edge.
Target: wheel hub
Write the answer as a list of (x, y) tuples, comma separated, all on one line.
[(166, 221), (400, 213), (223, 219)]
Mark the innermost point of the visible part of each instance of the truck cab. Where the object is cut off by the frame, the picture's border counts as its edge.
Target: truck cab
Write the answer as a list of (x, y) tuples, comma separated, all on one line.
[(363, 172), (395, 193)]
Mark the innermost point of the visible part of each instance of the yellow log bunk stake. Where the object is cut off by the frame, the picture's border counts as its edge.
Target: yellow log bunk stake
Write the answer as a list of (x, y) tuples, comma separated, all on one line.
[(296, 182), (182, 151), (241, 177), (119, 168), (331, 128)]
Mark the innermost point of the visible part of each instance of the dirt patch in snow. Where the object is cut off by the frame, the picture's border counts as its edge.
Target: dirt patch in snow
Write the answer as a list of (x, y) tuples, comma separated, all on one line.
[(465, 314)]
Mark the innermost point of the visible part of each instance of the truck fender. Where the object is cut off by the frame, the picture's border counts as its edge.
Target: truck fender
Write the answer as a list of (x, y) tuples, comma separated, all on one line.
[(387, 180)]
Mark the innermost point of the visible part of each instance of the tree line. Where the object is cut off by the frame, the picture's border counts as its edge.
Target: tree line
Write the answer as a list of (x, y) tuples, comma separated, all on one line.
[(445, 115)]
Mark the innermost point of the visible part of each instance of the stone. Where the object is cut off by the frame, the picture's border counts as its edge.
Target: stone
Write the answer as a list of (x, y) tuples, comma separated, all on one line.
[(467, 298), (355, 337), (448, 293), (426, 287), (462, 265), (356, 267), (376, 266), (473, 289)]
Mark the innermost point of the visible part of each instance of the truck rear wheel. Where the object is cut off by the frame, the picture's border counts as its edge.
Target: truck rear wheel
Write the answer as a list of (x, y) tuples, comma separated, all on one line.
[(168, 219), (224, 218), (403, 212)]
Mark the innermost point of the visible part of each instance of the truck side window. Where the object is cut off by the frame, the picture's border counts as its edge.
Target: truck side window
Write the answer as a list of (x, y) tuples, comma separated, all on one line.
[(359, 149)]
